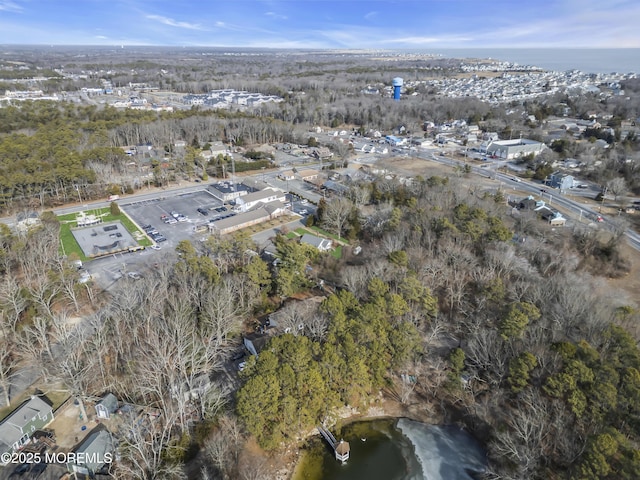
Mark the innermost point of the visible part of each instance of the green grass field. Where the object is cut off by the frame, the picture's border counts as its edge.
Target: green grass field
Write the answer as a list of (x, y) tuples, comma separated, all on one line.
[(324, 233), (68, 242)]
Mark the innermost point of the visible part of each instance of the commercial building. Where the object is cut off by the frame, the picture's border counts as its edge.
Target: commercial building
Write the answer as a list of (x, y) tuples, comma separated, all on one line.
[(511, 149)]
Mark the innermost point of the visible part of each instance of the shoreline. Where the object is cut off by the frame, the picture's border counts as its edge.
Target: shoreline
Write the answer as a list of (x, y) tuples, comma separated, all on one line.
[(380, 408)]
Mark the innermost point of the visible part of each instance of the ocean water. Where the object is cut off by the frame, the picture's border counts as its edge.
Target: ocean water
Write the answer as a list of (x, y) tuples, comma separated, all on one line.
[(587, 60), (391, 449)]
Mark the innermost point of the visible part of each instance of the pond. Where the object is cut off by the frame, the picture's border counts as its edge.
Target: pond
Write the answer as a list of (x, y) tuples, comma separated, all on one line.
[(395, 449)]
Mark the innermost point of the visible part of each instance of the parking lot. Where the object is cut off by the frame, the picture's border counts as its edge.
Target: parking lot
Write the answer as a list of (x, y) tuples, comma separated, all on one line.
[(153, 213), (167, 220), (174, 218)]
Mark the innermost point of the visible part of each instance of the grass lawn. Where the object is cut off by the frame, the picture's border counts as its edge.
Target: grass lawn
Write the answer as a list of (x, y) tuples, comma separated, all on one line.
[(329, 235), (291, 235), (337, 252), (68, 241), (57, 398)]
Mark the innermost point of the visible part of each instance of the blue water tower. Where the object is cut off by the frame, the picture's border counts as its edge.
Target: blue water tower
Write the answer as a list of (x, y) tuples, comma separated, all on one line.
[(397, 86)]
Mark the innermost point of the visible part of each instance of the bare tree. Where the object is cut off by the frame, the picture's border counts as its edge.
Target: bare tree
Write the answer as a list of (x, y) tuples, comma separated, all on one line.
[(360, 195), (9, 361), (336, 215), (617, 186), (12, 302), (224, 445), (356, 279), (293, 317), (142, 450)]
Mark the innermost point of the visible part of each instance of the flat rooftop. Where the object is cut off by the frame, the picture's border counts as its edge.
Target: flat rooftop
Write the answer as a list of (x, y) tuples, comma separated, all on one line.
[(103, 239)]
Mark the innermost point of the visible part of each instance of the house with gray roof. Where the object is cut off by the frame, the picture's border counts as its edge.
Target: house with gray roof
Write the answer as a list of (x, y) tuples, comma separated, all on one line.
[(561, 180), (94, 454), (16, 429), (322, 244)]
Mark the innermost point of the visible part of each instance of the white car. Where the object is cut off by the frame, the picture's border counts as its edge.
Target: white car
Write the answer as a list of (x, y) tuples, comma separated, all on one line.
[(304, 211), (516, 179), (156, 247)]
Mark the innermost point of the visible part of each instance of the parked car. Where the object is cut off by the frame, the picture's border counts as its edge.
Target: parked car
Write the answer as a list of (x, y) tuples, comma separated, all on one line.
[(160, 239), (202, 211)]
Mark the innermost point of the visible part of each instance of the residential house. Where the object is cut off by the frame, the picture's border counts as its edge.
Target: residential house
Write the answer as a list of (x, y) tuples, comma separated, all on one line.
[(106, 406), (307, 175), (322, 244), (94, 454), (287, 175), (15, 430), (552, 216), (530, 203), (255, 342), (560, 180), (335, 187)]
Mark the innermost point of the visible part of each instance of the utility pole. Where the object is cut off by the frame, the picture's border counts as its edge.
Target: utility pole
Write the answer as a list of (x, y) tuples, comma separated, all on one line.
[(604, 193), (78, 190)]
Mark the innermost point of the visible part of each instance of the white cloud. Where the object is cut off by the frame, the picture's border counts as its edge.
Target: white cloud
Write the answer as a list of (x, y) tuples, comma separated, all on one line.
[(175, 23), (9, 6), (277, 16), (371, 15)]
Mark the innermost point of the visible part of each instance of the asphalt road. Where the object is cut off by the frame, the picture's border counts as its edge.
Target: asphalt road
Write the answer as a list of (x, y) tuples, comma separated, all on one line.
[(552, 197)]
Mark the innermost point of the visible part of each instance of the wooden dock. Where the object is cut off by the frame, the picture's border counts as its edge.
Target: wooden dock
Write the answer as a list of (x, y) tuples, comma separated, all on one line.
[(340, 448)]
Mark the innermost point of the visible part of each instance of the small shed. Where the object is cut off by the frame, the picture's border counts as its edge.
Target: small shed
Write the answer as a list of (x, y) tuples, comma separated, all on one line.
[(106, 406)]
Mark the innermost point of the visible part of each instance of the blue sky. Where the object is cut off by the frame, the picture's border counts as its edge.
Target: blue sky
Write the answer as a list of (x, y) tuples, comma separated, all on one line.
[(389, 24)]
